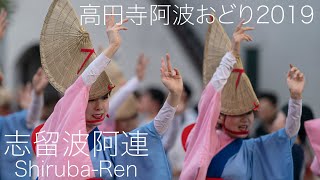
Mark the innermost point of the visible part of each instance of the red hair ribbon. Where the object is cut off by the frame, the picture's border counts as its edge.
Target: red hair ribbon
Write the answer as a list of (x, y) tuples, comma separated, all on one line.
[(90, 51), (211, 19), (110, 87), (256, 106), (240, 71)]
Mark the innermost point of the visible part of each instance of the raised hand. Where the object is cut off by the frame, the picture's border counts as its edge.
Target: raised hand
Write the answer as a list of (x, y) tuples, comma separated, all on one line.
[(113, 35), (171, 78), (39, 81), (238, 36), (113, 30), (141, 66), (3, 22), (296, 82)]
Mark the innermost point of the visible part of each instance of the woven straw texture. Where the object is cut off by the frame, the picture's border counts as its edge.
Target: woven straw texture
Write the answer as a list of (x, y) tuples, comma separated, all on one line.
[(61, 41), (235, 100)]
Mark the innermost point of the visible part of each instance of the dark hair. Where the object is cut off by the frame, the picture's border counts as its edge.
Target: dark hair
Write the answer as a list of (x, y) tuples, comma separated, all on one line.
[(269, 96), (137, 94), (188, 90), (28, 63), (306, 115), (156, 95)]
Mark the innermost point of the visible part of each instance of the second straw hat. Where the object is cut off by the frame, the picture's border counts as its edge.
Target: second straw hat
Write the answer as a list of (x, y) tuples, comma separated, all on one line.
[(238, 96), (128, 108)]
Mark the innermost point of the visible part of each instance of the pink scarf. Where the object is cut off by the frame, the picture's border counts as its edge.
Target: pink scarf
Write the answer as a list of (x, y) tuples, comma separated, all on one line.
[(313, 132), (68, 116), (204, 141)]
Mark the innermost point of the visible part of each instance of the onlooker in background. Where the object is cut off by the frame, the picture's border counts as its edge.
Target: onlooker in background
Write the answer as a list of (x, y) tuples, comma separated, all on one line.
[(267, 113), (127, 115), (150, 102), (123, 113)]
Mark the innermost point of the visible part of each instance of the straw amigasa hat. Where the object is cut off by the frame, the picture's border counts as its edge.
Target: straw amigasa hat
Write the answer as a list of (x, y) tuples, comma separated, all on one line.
[(238, 96), (66, 50), (129, 108)]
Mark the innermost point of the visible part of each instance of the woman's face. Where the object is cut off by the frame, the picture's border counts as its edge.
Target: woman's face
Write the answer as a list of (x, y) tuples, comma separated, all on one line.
[(96, 111), (238, 126)]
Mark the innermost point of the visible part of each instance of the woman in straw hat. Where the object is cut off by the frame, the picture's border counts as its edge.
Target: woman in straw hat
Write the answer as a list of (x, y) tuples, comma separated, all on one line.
[(215, 147), (135, 155)]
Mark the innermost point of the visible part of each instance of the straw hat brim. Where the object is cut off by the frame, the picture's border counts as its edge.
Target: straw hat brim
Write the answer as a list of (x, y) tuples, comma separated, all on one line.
[(61, 42), (216, 46)]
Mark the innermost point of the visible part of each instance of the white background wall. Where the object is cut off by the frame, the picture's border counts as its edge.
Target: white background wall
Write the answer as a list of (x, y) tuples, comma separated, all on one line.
[(279, 45)]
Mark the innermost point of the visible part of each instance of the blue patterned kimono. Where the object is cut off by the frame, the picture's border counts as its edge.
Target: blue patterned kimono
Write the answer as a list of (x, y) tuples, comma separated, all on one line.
[(8, 126), (154, 166), (265, 158)]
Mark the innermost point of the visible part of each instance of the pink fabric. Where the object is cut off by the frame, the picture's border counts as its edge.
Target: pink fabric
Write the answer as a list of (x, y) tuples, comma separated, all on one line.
[(108, 127), (204, 141), (315, 166), (68, 116), (313, 132)]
